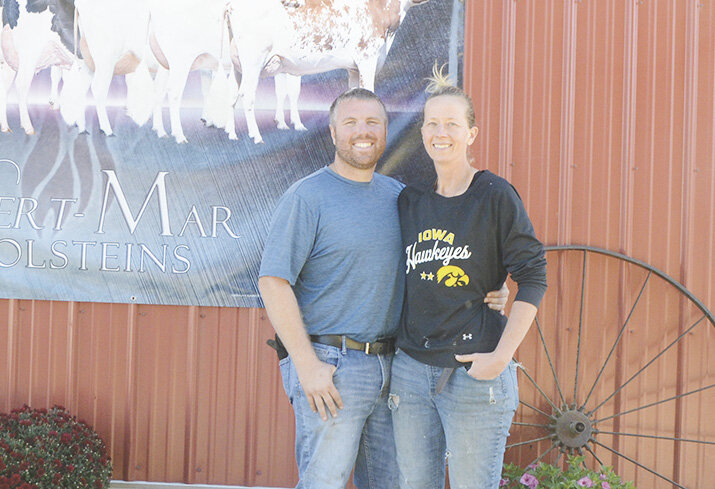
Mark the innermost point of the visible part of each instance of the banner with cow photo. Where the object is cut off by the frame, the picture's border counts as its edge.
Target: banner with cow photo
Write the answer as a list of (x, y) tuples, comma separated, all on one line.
[(145, 143)]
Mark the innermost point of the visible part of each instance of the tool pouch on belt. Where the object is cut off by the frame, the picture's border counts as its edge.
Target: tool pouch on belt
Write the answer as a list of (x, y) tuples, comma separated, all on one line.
[(277, 345)]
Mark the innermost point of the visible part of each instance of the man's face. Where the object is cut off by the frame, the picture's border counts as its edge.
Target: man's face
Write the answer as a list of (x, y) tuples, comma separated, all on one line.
[(359, 132)]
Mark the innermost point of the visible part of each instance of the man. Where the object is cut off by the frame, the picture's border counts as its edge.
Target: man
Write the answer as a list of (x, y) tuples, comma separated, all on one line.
[(331, 283)]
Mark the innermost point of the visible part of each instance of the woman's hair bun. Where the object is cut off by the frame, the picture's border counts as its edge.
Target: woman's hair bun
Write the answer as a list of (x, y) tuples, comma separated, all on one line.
[(439, 81)]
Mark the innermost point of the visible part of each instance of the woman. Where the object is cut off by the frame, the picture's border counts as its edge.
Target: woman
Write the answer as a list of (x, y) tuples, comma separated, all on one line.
[(454, 392)]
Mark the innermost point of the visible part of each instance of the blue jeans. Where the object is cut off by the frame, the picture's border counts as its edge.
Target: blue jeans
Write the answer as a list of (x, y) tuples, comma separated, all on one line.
[(465, 425), (361, 434)]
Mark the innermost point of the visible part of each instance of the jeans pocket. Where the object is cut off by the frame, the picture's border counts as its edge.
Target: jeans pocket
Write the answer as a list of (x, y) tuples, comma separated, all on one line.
[(285, 367), (328, 354), (514, 383)]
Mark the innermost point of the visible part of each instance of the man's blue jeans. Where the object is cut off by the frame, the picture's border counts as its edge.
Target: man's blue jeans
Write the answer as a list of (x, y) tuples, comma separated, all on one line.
[(466, 424), (361, 434)]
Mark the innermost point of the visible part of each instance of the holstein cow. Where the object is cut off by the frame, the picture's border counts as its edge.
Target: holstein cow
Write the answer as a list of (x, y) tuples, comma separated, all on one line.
[(7, 75), (188, 35), (288, 85), (113, 41), (310, 36), (34, 37)]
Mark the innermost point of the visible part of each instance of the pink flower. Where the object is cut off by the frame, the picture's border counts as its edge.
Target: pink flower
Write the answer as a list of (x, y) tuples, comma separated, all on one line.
[(529, 481), (603, 477), (503, 482), (585, 482), (605, 485)]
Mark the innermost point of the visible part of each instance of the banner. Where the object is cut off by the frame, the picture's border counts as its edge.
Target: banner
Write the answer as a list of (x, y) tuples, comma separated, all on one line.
[(102, 209)]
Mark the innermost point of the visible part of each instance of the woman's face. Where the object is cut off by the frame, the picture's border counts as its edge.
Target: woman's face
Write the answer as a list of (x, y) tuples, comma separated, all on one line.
[(446, 134)]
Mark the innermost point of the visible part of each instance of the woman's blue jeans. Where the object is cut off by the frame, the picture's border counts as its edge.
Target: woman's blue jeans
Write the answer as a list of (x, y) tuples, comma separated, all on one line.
[(361, 434), (465, 426)]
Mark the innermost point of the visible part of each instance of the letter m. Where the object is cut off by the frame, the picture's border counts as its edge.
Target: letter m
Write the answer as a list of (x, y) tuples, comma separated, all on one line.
[(113, 185)]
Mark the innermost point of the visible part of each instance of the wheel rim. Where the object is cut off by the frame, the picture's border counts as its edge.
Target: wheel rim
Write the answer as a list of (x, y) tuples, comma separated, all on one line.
[(577, 404)]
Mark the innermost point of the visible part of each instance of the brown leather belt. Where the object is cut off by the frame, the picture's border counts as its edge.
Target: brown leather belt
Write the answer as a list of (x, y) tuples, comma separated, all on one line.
[(379, 347)]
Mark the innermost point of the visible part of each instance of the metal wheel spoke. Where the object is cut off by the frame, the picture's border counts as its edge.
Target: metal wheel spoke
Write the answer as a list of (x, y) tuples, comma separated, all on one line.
[(583, 462), (580, 324), (618, 339), (655, 403), (535, 408), (540, 457), (540, 390), (639, 464), (558, 457), (548, 357), (657, 437), (594, 455), (529, 441), (517, 423), (646, 366)]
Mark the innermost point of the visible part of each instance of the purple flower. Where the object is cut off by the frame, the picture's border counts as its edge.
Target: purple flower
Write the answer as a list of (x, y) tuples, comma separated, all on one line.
[(585, 482), (529, 481), (605, 485), (603, 477), (503, 482)]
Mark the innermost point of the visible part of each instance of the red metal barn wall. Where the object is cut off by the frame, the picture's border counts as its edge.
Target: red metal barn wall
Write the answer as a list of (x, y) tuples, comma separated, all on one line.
[(600, 112)]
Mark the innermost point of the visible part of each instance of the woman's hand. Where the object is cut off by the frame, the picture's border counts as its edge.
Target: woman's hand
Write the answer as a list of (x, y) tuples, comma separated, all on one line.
[(485, 366), (488, 366)]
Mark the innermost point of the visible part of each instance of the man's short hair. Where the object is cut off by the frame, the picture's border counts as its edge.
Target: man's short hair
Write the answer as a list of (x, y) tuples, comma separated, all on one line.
[(358, 94)]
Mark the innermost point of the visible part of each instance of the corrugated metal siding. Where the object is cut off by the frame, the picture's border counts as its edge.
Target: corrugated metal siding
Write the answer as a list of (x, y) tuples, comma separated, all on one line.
[(180, 394), (601, 114)]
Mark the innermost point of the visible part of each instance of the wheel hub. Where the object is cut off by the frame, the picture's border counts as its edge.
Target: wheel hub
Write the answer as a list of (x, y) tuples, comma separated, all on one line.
[(572, 429)]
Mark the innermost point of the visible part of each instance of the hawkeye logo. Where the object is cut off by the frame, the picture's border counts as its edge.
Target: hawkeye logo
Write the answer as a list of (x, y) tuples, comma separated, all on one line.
[(453, 276)]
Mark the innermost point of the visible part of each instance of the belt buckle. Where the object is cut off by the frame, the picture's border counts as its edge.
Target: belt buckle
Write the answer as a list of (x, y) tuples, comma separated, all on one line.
[(367, 348)]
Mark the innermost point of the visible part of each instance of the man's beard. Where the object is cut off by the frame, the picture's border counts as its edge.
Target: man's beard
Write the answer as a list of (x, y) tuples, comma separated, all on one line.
[(349, 157)]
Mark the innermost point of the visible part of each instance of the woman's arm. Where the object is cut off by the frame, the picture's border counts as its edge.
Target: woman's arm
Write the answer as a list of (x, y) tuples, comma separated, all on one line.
[(523, 257)]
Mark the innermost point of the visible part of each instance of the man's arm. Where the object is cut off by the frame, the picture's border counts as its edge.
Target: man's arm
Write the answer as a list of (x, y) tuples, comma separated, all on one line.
[(316, 377), (496, 299)]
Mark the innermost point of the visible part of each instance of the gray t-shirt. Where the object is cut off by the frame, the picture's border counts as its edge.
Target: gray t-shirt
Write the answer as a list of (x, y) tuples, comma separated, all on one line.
[(338, 243)]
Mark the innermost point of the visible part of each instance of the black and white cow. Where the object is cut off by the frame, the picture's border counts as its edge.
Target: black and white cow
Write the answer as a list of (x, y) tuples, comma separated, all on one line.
[(35, 35)]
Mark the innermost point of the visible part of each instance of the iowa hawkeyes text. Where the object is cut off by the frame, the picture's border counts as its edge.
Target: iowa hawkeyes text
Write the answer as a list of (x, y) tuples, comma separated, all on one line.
[(445, 254)]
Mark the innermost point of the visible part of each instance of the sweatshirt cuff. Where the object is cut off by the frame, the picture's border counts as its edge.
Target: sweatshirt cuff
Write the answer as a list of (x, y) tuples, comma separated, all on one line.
[(531, 293)]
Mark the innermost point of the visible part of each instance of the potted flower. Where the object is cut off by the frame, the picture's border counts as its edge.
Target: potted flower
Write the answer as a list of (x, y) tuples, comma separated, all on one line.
[(547, 476), (43, 449)]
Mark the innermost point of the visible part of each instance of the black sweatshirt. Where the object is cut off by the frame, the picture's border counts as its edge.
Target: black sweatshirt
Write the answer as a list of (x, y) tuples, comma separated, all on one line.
[(457, 249)]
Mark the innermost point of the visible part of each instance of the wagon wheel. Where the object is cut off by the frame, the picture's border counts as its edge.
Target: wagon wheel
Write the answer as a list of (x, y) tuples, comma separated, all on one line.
[(617, 370)]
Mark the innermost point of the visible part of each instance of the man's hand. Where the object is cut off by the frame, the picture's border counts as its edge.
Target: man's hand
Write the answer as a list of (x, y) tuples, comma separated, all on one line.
[(485, 366), (315, 377), (496, 299), (319, 389)]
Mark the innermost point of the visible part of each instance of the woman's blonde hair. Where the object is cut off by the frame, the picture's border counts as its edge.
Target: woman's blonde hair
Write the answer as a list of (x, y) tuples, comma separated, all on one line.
[(439, 85)]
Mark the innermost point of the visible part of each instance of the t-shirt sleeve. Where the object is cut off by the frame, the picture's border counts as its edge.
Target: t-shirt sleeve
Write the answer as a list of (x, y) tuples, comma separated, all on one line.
[(522, 253), (290, 239)]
